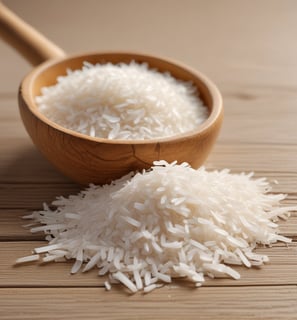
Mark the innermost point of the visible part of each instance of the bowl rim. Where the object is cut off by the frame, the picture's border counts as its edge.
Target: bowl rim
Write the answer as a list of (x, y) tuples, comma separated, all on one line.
[(26, 93)]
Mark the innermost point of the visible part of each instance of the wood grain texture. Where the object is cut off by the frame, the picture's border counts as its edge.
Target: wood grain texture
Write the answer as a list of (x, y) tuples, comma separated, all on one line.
[(167, 303), (253, 62), (12, 226), (281, 270), (236, 149)]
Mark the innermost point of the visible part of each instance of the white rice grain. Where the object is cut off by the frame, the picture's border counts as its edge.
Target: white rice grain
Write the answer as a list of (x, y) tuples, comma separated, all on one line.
[(136, 232), (121, 102), (149, 288), (76, 266), (34, 257), (47, 248), (125, 280), (107, 285)]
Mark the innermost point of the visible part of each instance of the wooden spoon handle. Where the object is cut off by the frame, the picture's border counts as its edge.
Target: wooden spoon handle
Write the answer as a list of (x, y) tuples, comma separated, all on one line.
[(25, 39)]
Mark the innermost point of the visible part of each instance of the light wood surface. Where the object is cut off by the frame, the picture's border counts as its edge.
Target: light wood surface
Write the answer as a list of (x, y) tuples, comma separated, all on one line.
[(249, 49)]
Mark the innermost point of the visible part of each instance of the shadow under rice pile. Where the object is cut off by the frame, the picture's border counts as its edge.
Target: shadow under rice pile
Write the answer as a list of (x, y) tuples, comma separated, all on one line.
[(172, 221)]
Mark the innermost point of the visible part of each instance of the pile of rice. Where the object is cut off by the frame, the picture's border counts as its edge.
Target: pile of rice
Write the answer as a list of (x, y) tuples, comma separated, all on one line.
[(172, 221), (123, 101)]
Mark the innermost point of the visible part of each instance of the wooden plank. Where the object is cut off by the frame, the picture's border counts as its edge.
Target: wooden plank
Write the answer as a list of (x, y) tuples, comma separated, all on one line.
[(258, 81), (265, 115), (22, 169), (39, 275), (32, 196), (289, 227), (272, 302), (281, 270), (20, 162), (257, 157), (12, 226)]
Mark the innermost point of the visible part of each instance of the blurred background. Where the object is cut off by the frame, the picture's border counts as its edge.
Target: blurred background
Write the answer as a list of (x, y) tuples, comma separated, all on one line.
[(248, 48), (231, 41)]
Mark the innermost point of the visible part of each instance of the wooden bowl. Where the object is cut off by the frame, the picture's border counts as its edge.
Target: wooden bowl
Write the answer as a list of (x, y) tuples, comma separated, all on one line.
[(95, 160)]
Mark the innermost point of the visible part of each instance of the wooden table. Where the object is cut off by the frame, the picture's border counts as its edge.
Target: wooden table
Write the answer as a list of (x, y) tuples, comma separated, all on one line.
[(249, 49)]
